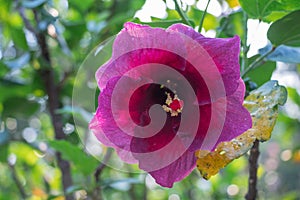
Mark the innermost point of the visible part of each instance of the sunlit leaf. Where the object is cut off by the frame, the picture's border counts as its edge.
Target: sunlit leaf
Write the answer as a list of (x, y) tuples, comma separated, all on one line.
[(172, 14), (263, 106), (83, 162), (293, 95), (24, 152)]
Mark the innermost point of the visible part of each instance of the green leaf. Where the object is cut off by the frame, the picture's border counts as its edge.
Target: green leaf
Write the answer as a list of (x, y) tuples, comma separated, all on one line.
[(83, 162), (293, 95), (19, 107), (4, 152), (74, 27), (136, 4), (259, 9), (232, 25), (160, 23), (18, 36), (33, 3), (172, 14), (263, 107), (4, 145), (263, 73), (269, 10), (282, 54), (283, 8), (286, 30), (12, 88), (82, 6)]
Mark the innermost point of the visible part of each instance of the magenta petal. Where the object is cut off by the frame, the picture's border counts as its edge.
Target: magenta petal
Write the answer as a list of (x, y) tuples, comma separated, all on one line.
[(224, 52), (104, 122), (176, 171), (239, 94), (224, 120), (238, 119), (136, 45)]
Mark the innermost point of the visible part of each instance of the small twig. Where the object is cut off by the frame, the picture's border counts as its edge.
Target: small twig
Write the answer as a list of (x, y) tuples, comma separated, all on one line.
[(257, 62), (145, 192), (181, 13), (203, 17), (131, 192), (112, 9), (244, 42), (64, 79), (27, 23), (97, 194), (17, 181), (102, 165), (253, 166)]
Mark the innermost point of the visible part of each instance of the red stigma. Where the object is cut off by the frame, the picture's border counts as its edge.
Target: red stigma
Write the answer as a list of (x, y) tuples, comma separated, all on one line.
[(176, 104)]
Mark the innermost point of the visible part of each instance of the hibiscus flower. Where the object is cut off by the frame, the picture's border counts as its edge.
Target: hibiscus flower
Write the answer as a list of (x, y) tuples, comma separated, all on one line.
[(166, 93)]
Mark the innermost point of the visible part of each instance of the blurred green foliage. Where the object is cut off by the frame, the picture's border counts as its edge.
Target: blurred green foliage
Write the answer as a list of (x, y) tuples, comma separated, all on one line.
[(72, 28)]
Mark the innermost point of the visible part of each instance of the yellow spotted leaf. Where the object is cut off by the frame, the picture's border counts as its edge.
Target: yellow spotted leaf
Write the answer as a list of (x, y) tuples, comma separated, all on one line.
[(263, 107)]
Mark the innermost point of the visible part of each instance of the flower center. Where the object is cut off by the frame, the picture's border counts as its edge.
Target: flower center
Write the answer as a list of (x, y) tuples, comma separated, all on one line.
[(173, 105)]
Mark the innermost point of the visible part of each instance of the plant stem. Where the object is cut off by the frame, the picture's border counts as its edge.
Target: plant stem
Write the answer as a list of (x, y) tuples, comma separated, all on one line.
[(181, 13), (253, 165), (203, 17), (102, 165), (257, 62), (145, 191), (17, 181)]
